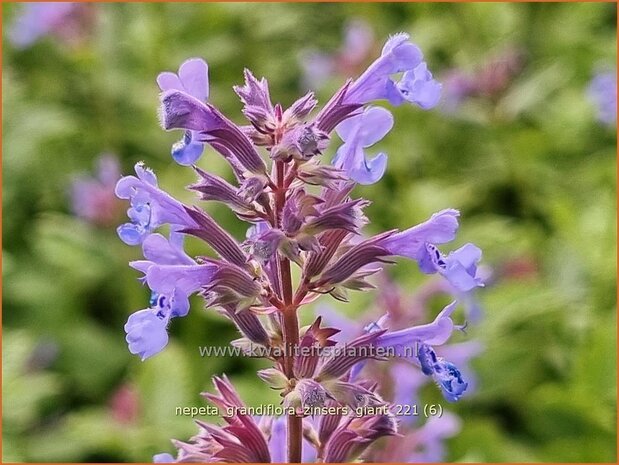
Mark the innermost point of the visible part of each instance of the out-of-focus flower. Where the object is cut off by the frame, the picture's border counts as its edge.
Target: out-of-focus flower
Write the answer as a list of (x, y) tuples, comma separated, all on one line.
[(602, 92), (523, 267), (276, 427), (68, 21), (319, 67), (489, 81), (425, 444), (457, 87), (163, 458), (124, 404), (93, 198)]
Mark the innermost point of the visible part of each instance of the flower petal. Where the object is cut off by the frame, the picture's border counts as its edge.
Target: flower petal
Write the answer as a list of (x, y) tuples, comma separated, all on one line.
[(146, 333), (370, 126), (160, 250), (186, 151), (193, 74), (169, 81)]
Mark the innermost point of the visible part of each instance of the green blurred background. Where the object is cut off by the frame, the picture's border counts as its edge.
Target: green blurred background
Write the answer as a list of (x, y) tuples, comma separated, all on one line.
[(531, 169)]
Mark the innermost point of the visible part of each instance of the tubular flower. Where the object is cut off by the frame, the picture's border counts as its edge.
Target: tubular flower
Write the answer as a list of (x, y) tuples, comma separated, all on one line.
[(150, 206), (399, 55), (192, 78), (359, 132), (445, 373)]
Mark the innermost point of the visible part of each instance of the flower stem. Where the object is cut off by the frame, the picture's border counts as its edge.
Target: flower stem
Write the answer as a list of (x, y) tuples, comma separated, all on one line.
[(290, 321), (291, 340)]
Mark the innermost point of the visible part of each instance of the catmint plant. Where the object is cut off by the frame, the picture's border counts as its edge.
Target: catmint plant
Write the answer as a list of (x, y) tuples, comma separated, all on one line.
[(302, 213)]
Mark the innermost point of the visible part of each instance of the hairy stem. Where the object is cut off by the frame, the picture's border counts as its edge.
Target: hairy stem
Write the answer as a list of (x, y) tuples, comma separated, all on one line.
[(290, 321)]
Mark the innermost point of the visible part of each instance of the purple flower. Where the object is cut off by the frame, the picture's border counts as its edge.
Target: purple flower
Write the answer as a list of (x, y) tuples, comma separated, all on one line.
[(602, 92), (187, 278), (179, 110), (37, 20), (265, 245), (257, 102), (93, 198), (348, 439), (240, 441), (256, 230), (192, 78), (163, 458), (417, 243), (214, 188), (218, 238), (167, 269), (430, 439), (347, 216), (150, 206), (302, 143), (359, 132), (357, 350), (277, 441), (408, 380), (146, 329), (416, 85), (440, 228), (157, 249), (444, 373), (460, 354), (459, 267), (405, 341)]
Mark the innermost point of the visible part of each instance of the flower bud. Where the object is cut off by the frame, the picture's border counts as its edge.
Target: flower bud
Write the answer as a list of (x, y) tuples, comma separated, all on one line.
[(274, 378)]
